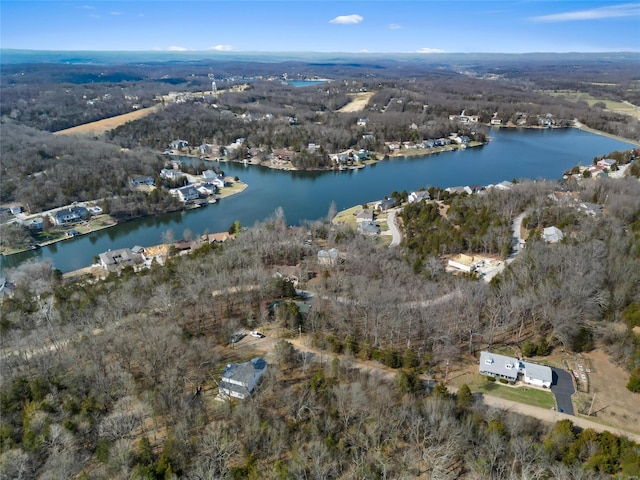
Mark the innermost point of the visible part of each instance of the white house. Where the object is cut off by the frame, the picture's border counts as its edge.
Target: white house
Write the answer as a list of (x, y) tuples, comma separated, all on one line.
[(606, 162), (186, 194), (120, 257), (513, 369), (171, 174), (240, 379), (418, 196)]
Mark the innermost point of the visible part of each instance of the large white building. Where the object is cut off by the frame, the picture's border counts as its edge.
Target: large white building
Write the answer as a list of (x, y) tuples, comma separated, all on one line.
[(513, 369)]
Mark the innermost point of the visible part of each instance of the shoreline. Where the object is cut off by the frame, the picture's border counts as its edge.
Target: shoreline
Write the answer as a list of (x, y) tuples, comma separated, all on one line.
[(238, 187)]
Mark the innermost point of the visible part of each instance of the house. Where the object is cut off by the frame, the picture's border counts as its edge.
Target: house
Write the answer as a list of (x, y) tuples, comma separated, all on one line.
[(312, 148), (157, 252), (178, 144), (513, 369), (539, 375), (362, 122), (240, 379), (591, 209), (386, 204), (606, 163), (329, 257), (365, 215), (209, 175), (283, 154), (145, 180), (15, 209), (501, 366), (35, 223), (418, 196), (552, 234), (112, 259), (220, 237), (207, 189), (66, 216), (186, 194), (171, 173), (455, 190), (368, 228), (465, 263)]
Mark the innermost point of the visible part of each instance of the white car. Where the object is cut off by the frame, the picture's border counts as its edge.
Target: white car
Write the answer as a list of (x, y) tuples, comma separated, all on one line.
[(257, 334)]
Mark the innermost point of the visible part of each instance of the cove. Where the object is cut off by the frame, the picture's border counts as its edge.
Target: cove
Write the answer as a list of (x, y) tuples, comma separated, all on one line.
[(512, 153)]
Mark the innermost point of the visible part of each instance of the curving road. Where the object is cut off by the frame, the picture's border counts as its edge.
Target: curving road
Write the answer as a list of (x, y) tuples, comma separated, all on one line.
[(391, 222)]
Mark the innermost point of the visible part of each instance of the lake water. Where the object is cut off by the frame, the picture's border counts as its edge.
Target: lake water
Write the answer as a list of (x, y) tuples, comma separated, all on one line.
[(512, 153)]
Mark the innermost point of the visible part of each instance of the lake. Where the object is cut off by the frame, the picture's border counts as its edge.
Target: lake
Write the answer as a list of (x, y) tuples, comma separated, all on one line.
[(512, 153)]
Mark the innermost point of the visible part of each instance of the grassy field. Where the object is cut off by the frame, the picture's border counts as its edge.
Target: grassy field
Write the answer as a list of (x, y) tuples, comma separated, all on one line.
[(614, 106), (524, 394)]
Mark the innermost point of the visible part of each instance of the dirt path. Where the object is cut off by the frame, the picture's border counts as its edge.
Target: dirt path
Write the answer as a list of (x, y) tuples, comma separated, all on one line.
[(301, 344), (103, 126)]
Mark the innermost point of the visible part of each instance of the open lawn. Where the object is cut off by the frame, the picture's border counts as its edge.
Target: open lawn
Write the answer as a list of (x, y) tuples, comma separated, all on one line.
[(624, 108), (358, 103), (521, 394)]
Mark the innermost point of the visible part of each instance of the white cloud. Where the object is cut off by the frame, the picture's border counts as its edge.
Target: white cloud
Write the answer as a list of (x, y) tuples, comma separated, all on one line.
[(614, 11), (86, 7), (174, 48), (116, 13), (347, 19), (429, 50), (221, 48), (394, 26)]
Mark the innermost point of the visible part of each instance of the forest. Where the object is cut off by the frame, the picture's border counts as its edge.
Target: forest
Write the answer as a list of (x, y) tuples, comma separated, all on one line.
[(115, 396)]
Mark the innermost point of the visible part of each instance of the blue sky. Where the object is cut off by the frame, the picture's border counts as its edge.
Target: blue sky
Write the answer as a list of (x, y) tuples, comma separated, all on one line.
[(505, 26)]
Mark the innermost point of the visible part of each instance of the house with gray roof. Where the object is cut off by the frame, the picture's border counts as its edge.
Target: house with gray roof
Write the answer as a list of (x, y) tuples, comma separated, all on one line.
[(513, 369), (121, 257), (240, 379)]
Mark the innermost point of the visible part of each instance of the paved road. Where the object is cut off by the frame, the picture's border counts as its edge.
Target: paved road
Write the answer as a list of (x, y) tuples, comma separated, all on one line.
[(391, 222), (562, 388)]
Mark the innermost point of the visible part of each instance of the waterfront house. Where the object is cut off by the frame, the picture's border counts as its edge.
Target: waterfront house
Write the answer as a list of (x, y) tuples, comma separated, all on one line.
[(220, 237), (66, 216), (35, 223), (552, 234), (157, 252), (178, 144), (207, 189), (513, 369), (365, 215), (418, 196), (186, 194), (112, 259), (385, 204), (239, 380), (606, 163)]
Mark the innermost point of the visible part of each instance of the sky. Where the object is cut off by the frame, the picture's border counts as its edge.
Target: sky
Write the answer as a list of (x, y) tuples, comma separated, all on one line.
[(375, 26)]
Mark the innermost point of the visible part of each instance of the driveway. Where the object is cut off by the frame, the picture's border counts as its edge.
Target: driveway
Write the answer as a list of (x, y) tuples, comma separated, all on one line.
[(562, 388), (391, 222)]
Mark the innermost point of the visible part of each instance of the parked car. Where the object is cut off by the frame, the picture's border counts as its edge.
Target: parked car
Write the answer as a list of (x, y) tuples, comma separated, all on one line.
[(236, 337), (257, 334)]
